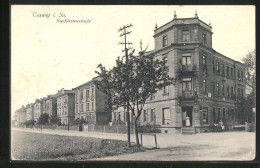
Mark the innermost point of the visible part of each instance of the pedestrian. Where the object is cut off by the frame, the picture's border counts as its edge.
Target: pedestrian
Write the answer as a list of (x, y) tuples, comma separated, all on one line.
[(187, 121)]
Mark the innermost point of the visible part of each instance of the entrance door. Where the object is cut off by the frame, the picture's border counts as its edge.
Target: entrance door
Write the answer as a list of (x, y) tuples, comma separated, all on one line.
[(187, 116)]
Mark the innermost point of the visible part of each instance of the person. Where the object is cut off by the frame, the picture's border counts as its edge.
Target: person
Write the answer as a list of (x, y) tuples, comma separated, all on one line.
[(221, 125), (187, 121)]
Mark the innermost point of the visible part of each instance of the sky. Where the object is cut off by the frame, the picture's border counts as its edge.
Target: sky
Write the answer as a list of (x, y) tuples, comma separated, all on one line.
[(47, 55)]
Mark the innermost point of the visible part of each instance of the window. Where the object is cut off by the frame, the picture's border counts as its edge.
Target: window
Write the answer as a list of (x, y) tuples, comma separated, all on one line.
[(223, 69), (227, 71), (81, 95), (213, 88), (228, 91), (186, 84), (218, 66), (213, 66), (81, 107), (204, 60), (218, 114), (232, 91), (205, 115), (238, 92), (204, 39), (165, 41), (217, 89), (224, 114), (166, 116), (165, 89), (145, 115), (88, 93), (76, 96), (92, 91), (204, 85), (152, 115), (231, 72), (92, 105), (223, 90), (238, 74), (242, 92), (186, 59), (241, 75), (214, 114), (87, 106), (185, 35), (119, 116)]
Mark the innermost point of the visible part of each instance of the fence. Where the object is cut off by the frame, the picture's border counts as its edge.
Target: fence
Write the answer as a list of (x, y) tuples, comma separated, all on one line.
[(107, 129)]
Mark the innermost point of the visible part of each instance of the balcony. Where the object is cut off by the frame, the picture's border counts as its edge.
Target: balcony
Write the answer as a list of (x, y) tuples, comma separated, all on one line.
[(187, 95), (187, 70)]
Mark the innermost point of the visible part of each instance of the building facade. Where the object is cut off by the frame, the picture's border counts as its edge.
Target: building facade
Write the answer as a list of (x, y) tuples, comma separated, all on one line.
[(29, 112), (38, 109), (20, 115), (66, 106), (50, 106), (90, 104), (208, 85)]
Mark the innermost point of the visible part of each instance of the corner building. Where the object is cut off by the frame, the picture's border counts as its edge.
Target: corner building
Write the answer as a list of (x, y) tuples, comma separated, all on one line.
[(209, 84)]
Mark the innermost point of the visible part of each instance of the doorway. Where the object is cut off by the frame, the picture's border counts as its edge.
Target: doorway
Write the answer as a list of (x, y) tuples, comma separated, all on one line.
[(187, 116)]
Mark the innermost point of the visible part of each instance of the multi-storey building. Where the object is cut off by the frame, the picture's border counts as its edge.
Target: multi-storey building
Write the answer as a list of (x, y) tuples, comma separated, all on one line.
[(50, 105), (38, 109), (90, 104), (29, 112), (208, 84), (66, 106), (20, 115)]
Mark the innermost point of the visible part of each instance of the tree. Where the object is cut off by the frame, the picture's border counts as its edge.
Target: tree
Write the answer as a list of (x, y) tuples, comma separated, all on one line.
[(43, 119), (248, 103), (249, 62), (53, 119), (145, 75)]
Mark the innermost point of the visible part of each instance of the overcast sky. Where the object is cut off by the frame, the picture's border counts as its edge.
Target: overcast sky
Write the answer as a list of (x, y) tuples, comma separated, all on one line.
[(47, 56)]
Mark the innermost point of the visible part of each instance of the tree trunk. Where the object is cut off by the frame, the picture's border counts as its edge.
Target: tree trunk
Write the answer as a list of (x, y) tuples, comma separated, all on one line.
[(136, 135)]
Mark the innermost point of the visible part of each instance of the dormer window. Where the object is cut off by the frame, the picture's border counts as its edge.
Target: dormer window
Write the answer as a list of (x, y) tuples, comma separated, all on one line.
[(165, 41), (185, 35)]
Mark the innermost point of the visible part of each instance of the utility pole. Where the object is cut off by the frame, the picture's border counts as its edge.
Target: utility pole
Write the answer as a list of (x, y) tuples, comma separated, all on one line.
[(125, 32)]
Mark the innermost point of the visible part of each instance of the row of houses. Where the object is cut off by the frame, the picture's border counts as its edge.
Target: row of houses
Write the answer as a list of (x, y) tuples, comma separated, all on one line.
[(68, 105), (208, 88)]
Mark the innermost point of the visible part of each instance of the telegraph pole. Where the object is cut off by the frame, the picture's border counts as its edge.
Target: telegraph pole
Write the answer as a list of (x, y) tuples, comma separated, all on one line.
[(125, 32)]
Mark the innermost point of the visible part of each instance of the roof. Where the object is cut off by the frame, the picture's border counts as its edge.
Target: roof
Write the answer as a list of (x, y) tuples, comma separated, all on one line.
[(88, 82)]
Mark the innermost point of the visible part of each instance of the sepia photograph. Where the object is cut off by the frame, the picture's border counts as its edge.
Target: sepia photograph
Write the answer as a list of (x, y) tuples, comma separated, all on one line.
[(133, 83)]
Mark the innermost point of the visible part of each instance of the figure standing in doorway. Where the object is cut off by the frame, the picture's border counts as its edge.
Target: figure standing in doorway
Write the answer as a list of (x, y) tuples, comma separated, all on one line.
[(187, 121)]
